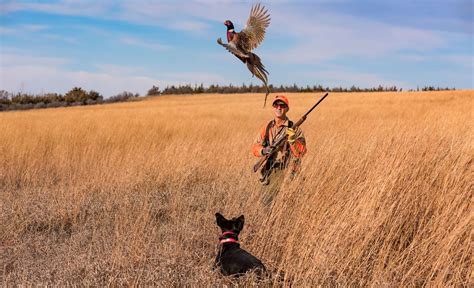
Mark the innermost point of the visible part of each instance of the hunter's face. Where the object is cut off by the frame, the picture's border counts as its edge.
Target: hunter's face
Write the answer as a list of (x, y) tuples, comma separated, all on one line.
[(280, 109)]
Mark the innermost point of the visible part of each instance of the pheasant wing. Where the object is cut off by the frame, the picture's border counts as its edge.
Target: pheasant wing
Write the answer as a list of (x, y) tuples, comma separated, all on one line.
[(232, 48), (254, 32)]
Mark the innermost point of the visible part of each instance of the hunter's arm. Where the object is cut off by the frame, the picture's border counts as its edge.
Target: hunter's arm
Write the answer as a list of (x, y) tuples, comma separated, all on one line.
[(298, 148), (257, 145)]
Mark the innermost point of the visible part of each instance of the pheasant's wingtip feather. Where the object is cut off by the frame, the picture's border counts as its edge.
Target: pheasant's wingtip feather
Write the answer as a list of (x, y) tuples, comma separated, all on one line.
[(266, 95)]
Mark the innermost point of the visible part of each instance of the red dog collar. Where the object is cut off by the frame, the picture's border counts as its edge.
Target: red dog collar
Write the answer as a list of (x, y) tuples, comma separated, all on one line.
[(228, 240)]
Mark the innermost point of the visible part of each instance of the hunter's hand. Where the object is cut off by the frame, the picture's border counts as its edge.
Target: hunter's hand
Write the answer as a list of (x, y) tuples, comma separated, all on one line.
[(291, 135), (266, 150)]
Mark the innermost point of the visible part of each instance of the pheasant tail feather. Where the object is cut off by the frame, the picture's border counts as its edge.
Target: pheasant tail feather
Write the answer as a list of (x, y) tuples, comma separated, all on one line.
[(254, 64)]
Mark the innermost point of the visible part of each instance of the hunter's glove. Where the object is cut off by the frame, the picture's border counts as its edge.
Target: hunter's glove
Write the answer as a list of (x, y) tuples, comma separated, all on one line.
[(266, 150), (291, 135)]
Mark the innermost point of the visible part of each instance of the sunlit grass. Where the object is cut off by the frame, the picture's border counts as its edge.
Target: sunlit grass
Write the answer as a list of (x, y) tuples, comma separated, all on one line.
[(126, 193)]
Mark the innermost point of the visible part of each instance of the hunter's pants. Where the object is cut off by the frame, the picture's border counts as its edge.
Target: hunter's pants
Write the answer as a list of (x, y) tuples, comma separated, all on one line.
[(275, 181)]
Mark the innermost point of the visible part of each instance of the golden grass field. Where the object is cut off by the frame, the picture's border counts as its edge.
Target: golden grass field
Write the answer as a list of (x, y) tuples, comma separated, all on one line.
[(125, 194)]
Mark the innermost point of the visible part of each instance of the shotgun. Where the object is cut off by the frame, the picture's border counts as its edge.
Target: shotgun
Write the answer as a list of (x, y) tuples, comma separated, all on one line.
[(282, 140)]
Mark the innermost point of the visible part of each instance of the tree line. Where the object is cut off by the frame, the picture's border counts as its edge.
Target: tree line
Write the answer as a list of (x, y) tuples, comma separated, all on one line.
[(228, 89), (75, 97), (78, 96)]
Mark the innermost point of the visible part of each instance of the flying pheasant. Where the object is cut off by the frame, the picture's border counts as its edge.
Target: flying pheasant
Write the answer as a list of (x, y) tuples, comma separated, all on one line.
[(242, 43)]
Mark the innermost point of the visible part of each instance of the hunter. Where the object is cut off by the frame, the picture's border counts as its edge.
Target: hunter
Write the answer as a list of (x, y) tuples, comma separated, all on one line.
[(288, 157)]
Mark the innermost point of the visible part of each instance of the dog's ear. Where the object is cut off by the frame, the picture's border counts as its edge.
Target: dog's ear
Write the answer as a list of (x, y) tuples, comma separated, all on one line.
[(239, 223), (220, 220)]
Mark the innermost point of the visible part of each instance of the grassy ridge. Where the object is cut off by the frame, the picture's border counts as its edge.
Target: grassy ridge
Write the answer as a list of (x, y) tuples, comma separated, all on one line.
[(126, 193)]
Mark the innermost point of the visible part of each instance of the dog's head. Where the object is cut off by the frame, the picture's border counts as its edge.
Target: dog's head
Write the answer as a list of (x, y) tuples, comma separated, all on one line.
[(234, 225)]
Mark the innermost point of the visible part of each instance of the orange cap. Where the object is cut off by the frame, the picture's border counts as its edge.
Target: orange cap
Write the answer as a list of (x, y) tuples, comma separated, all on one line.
[(281, 98)]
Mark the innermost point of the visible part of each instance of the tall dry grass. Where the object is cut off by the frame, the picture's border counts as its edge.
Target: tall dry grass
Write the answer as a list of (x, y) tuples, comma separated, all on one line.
[(125, 194)]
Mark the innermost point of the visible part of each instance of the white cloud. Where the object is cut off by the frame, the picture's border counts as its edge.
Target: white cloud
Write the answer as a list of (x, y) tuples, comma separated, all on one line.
[(183, 16), (180, 16), (6, 30), (38, 79), (335, 36), (34, 27), (194, 78), (119, 70), (67, 39), (459, 60), (10, 59), (192, 26), (25, 28), (66, 7), (337, 76), (34, 74), (143, 43)]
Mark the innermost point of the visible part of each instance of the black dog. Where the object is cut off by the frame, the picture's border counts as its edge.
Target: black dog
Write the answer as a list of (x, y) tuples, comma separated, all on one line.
[(231, 259)]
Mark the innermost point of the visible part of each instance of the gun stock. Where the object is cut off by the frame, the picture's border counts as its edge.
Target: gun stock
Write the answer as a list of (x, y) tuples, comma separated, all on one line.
[(260, 162)]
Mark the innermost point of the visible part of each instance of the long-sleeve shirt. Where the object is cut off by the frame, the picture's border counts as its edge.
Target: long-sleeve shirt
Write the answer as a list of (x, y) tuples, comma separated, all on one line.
[(297, 148)]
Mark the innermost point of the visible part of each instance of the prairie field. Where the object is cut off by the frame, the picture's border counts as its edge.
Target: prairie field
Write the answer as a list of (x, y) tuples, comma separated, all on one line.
[(125, 194)]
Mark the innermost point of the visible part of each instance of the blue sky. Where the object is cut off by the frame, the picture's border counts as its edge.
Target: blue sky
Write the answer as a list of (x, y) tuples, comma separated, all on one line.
[(115, 46)]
